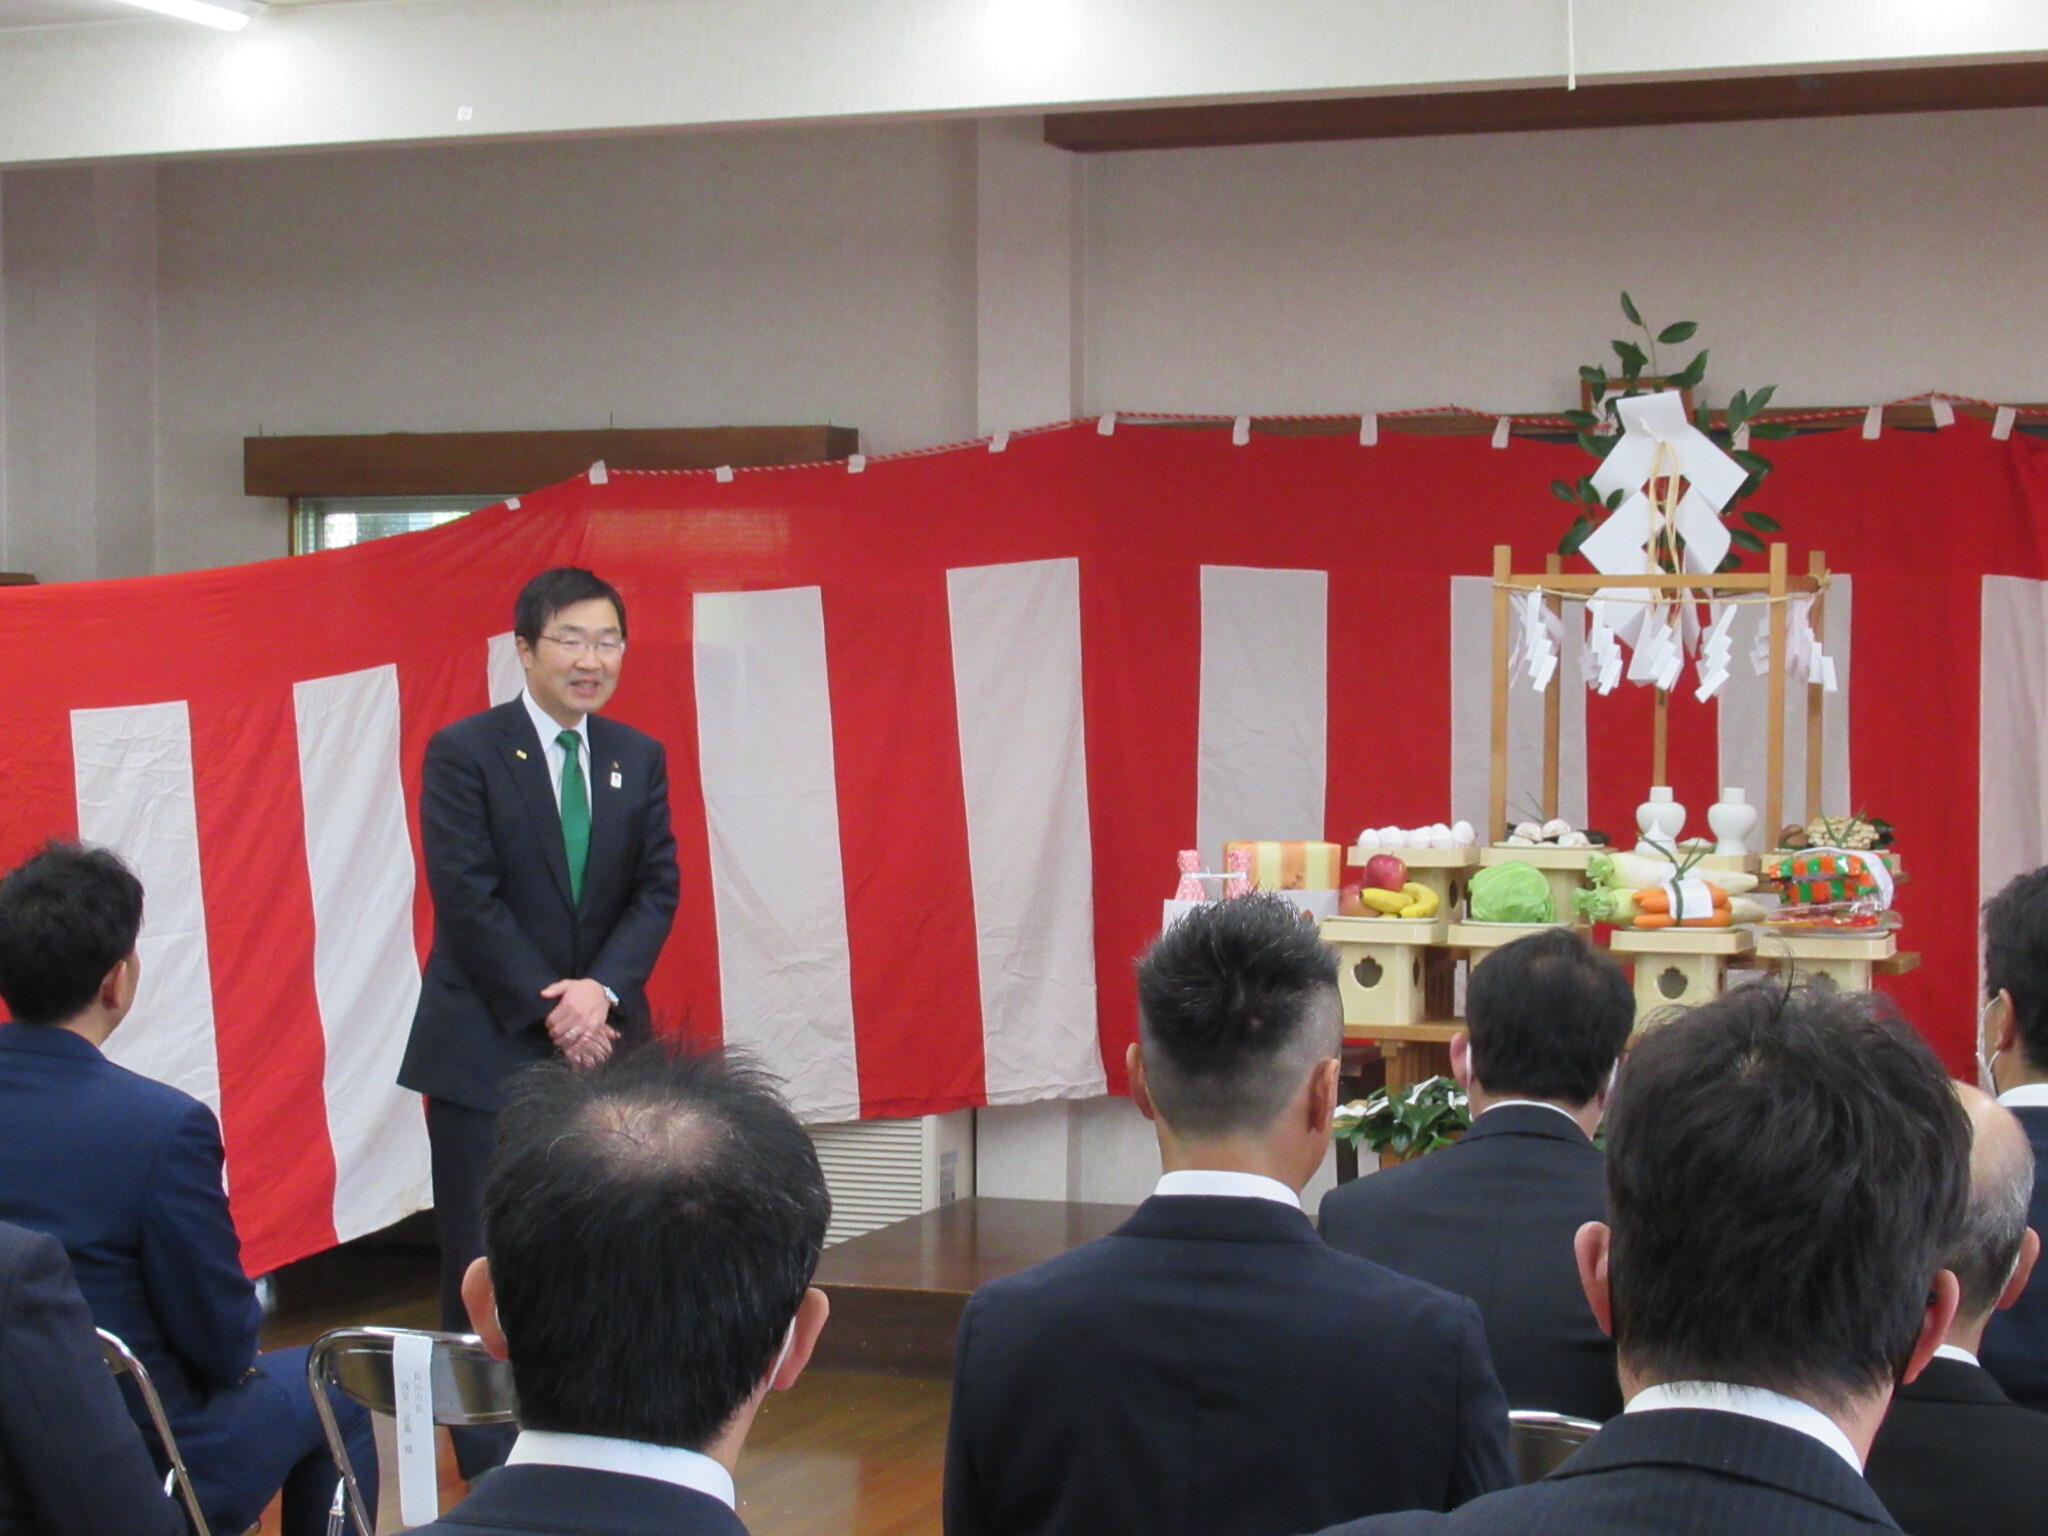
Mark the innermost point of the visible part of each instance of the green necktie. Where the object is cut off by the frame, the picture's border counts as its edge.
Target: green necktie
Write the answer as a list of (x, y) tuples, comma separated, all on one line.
[(575, 812)]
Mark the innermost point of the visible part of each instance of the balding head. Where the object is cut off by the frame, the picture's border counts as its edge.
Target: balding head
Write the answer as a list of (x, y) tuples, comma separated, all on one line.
[(1995, 1224)]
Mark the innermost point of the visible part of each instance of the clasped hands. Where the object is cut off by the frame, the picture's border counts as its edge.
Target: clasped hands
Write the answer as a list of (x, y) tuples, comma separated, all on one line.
[(578, 1025)]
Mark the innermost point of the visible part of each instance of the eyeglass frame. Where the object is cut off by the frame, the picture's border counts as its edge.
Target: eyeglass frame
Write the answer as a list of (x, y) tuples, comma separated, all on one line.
[(607, 648)]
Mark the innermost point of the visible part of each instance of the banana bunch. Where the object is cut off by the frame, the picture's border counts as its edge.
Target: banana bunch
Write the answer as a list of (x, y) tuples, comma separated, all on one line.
[(1413, 900)]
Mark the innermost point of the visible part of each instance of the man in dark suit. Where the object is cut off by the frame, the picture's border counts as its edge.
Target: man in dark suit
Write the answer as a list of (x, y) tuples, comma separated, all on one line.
[(2015, 1030), (1956, 1456), (126, 1173), (1493, 1216), (1786, 1169), (553, 871), (70, 1458), (1213, 1366), (651, 1228)]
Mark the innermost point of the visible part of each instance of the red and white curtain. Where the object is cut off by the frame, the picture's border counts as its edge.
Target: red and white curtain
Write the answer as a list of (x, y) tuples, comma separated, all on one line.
[(936, 731)]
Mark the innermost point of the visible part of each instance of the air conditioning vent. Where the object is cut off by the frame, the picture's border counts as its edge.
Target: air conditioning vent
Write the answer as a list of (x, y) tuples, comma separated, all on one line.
[(881, 1171)]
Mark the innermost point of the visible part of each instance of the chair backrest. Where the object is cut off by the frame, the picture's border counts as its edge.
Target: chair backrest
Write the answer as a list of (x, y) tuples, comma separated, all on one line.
[(467, 1387), (1542, 1442), (123, 1361)]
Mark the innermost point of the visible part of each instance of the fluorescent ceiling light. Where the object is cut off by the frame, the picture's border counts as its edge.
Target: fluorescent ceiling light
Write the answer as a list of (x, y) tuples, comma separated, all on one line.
[(228, 15)]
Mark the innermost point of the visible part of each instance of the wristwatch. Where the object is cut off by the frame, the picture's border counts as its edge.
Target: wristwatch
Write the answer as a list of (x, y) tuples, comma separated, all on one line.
[(610, 996)]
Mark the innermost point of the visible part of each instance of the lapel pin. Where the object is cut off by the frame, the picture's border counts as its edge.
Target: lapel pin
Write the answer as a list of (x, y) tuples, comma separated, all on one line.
[(520, 753), (618, 779)]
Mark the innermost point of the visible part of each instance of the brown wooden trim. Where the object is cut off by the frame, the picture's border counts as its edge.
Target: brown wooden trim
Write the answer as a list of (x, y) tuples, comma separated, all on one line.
[(17, 579), (514, 463), (1850, 93)]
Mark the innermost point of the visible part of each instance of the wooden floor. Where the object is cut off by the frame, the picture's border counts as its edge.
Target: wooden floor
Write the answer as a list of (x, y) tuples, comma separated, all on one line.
[(847, 1454)]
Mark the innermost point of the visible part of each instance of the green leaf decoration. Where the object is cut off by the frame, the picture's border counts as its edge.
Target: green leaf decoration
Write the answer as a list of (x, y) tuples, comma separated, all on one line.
[(1762, 398), (1585, 419), (1563, 490), (1744, 539), (1628, 307), (1593, 376), (1671, 335), (1633, 358), (1729, 562), (1596, 446), (1763, 522), (1772, 431), (1690, 376), (1752, 461), (1574, 536), (1615, 497), (1738, 409)]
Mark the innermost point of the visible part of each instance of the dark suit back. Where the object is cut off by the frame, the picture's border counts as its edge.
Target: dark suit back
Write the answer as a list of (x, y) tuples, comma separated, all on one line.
[(2015, 1348), (126, 1174), (504, 923), (71, 1460), (1214, 1367), (1674, 1472), (1957, 1457), (573, 1501), (1492, 1217)]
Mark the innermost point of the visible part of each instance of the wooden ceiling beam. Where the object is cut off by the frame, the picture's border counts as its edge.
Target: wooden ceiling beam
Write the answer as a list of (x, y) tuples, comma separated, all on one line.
[(1943, 88)]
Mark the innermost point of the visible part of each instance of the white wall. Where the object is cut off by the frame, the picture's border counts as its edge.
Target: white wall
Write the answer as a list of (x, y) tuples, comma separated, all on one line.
[(1846, 260), (684, 281)]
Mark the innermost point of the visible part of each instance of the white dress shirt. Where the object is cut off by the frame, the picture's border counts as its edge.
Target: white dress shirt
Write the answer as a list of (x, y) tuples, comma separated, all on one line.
[(2026, 1096), (1532, 1104), (1751, 1403), (549, 732), (634, 1458), (1218, 1181), (1954, 1352)]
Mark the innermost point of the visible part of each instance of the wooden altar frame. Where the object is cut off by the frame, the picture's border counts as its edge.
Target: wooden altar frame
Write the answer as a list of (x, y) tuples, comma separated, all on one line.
[(1777, 582)]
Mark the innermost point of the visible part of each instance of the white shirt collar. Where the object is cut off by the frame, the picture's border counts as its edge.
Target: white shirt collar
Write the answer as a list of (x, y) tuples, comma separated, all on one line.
[(1532, 1104), (634, 1458), (1751, 1403), (1218, 1181), (2026, 1096), (545, 726), (1954, 1352)]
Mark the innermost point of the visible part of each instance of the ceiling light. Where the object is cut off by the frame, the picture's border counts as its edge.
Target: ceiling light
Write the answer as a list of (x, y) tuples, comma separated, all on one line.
[(228, 15)]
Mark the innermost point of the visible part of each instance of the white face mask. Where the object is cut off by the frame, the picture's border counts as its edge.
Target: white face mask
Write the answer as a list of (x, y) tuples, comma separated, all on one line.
[(788, 1342), (1987, 1078)]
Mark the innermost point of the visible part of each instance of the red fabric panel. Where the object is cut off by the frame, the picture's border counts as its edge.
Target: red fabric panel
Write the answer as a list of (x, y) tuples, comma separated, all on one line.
[(1389, 702)]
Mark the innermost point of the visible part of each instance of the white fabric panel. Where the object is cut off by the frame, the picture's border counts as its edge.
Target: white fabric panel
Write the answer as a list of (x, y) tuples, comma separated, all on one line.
[(365, 968), (133, 770), (771, 805), (2012, 732), (504, 677), (1264, 739), (1744, 710), (1472, 717), (1023, 766)]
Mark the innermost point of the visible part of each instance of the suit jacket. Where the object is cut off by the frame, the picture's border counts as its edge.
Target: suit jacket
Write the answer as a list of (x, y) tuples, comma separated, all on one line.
[(574, 1501), (2015, 1348), (1674, 1472), (71, 1460), (1213, 1366), (1492, 1217), (1957, 1457), (504, 924), (125, 1172)]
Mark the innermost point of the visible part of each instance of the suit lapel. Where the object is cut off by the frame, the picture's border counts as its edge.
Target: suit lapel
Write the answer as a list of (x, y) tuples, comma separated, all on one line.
[(526, 760)]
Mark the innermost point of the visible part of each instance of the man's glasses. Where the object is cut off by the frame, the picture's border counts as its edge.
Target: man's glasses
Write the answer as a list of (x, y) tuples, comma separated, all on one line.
[(609, 648)]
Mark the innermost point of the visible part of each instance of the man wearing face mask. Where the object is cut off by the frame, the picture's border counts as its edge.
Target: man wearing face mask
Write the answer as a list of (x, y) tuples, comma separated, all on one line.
[(553, 871), (2015, 1067)]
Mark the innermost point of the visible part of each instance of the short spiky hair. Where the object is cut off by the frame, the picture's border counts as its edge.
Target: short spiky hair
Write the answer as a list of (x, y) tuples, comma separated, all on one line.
[(2016, 958), (1229, 1015), (1786, 1169), (67, 917), (652, 1225), (552, 591)]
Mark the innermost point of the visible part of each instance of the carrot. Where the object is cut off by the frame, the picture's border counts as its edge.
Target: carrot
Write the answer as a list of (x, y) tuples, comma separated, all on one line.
[(1653, 920), (1655, 901), (1720, 917)]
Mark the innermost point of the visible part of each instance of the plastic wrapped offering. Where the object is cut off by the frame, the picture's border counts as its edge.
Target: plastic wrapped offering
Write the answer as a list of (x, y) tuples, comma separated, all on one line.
[(1511, 892)]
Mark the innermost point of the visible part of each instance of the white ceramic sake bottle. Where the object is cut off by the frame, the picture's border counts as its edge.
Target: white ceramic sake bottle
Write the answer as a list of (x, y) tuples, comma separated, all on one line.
[(1660, 819), (1733, 818)]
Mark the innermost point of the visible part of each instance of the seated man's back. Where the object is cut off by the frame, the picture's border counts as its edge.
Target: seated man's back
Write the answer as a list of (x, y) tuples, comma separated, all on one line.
[(1213, 1366), (1493, 1216)]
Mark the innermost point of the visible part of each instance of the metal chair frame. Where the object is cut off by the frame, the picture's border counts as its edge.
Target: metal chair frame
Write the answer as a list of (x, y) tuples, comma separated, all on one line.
[(1545, 1439), (119, 1358), (469, 1388)]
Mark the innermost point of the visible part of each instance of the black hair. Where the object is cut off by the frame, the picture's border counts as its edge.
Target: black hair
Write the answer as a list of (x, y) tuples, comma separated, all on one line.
[(552, 591), (68, 915), (1786, 1169), (651, 1225), (1231, 1010), (2016, 958), (1549, 1015)]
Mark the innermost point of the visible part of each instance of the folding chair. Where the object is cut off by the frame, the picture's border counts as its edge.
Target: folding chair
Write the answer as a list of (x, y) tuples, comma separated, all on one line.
[(467, 1387), (1542, 1442), (122, 1360)]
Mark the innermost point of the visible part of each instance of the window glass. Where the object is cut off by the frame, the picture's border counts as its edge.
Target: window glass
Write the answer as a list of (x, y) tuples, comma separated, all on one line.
[(336, 522)]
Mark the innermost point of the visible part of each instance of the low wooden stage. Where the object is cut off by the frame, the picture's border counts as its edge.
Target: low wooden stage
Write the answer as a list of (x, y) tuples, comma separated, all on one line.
[(897, 1293)]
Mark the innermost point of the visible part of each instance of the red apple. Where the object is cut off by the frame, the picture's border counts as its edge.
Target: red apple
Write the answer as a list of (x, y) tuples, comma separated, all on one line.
[(1384, 872)]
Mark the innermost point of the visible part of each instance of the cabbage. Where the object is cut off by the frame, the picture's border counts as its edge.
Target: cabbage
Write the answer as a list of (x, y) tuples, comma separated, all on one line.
[(1513, 892)]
